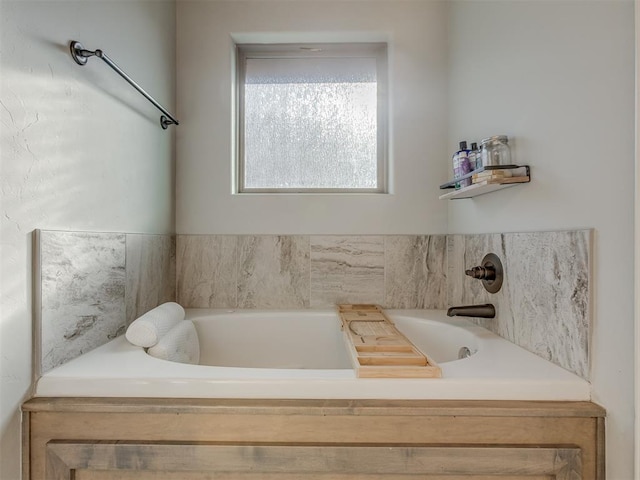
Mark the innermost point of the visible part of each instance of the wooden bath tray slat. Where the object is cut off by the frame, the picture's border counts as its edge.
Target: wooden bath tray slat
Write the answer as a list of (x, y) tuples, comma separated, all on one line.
[(378, 349)]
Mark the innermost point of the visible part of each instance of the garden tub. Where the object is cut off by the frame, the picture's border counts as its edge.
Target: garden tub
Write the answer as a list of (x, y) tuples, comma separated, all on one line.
[(301, 354)]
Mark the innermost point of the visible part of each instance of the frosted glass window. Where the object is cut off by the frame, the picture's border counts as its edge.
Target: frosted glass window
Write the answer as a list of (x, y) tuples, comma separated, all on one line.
[(312, 119)]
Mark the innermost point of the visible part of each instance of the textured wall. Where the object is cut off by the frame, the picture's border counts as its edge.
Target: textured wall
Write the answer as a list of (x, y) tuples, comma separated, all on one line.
[(81, 151)]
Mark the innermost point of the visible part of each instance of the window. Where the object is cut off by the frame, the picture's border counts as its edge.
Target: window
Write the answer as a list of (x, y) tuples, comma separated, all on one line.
[(312, 118)]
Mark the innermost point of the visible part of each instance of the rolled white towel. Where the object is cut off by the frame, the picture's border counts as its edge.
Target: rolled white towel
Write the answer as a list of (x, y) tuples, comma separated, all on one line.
[(148, 329), (180, 344)]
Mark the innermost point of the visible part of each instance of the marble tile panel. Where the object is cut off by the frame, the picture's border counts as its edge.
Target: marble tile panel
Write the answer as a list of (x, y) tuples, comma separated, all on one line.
[(347, 269), (150, 272), (549, 295), (207, 271), (82, 301), (544, 303), (465, 252), (455, 265), (273, 271), (415, 271)]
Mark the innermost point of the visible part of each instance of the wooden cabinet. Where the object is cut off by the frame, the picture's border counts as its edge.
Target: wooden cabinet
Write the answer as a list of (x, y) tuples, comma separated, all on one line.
[(161, 439)]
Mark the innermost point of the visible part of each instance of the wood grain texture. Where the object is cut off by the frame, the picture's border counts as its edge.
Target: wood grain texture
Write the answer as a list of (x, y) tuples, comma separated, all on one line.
[(492, 408), (136, 475), (26, 455), (378, 349), (561, 463), (111, 434)]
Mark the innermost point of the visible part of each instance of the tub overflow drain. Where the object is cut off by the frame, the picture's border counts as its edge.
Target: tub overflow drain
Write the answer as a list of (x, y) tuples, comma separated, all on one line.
[(464, 352)]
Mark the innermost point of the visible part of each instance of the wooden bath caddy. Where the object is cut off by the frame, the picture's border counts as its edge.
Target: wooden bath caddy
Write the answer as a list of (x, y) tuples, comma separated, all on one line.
[(378, 349)]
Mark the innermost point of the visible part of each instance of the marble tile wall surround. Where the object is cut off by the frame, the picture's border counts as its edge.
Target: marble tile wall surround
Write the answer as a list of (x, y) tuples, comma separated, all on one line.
[(82, 301), (416, 271), (90, 286), (544, 303), (207, 274), (150, 272), (467, 251), (243, 271), (318, 271), (347, 269), (273, 271)]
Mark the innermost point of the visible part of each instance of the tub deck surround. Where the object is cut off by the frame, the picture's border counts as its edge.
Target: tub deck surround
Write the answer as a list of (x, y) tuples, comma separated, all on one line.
[(499, 370)]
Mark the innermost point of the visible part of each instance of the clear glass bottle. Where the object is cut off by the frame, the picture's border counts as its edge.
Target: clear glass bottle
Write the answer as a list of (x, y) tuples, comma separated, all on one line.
[(495, 151)]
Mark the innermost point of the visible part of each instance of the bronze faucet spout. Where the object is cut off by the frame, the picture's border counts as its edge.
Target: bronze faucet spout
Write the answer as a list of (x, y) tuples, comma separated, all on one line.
[(483, 311)]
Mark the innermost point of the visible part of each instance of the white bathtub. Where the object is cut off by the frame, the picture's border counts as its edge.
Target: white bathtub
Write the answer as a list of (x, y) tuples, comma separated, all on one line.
[(300, 354)]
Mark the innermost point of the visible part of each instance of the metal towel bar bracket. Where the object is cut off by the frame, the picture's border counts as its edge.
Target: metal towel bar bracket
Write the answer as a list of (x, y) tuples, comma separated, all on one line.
[(80, 55)]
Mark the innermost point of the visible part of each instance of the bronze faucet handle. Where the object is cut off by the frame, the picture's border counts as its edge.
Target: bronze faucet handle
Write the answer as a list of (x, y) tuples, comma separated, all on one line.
[(490, 272), (482, 273)]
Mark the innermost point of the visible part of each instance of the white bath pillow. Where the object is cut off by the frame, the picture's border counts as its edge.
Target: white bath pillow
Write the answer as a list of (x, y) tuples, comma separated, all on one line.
[(148, 329), (180, 344)]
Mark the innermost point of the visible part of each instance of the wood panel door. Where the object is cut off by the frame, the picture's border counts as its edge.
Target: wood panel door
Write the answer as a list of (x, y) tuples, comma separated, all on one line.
[(161, 461)]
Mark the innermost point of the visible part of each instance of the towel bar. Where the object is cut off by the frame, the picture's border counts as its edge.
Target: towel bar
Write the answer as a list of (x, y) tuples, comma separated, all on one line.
[(80, 55)]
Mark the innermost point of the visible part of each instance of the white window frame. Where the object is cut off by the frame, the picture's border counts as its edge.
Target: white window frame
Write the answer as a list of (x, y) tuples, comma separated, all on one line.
[(300, 50)]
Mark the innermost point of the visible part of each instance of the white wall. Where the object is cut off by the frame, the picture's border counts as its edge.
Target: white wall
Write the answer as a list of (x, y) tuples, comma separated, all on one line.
[(558, 78), (81, 150), (416, 31)]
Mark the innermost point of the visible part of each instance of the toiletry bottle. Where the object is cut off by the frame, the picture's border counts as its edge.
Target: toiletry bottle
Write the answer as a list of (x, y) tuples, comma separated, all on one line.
[(455, 159), (474, 157), (464, 165)]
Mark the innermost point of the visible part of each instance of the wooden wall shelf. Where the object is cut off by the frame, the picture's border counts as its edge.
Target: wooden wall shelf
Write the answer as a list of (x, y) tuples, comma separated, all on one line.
[(486, 180)]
